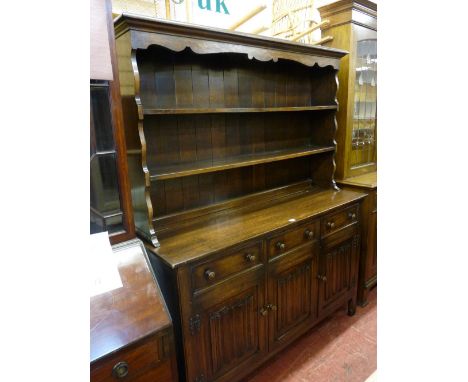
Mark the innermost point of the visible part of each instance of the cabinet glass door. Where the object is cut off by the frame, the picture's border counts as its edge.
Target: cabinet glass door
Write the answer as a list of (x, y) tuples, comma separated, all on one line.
[(365, 105), (106, 211)]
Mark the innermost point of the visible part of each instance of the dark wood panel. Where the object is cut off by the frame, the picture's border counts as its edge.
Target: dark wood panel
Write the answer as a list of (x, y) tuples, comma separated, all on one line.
[(292, 87), (187, 140), (183, 81), (323, 86), (258, 86), (245, 86), (281, 81), (216, 83), (269, 85), (191, 192), (218, 137), (159, 192), (204, 138), (206, 189), (221, 186), (231, 87), (174, 195), (147, 87), (200, 83), (164, 80), (233, 144)]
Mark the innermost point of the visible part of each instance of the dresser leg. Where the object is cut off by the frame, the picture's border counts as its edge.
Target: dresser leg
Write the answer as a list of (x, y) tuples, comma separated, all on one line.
[(352, 307), (363, 298)]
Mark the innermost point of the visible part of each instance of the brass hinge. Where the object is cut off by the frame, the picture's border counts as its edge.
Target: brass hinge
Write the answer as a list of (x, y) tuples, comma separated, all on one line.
[(194, 324)]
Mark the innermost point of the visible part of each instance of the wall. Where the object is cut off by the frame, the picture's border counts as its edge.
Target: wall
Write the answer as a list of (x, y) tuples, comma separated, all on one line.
[(190, 11)]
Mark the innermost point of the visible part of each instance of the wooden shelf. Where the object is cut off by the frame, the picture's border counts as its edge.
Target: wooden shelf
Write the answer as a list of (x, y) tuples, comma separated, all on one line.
[(236, 110), (187, 169)]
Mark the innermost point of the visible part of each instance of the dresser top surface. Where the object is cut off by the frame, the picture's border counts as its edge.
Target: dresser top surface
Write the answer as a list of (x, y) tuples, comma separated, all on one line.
[(368, 180), (130, 311), (230, 230), (129, 21)]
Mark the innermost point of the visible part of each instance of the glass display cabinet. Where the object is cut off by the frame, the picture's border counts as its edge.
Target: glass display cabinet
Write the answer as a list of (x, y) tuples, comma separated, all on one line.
[(110, 197), (363, 133), (105, 209), (353, 26)]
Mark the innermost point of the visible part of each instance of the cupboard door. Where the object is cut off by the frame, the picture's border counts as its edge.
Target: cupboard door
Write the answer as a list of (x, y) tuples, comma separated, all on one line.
[(233, 330), (338, 267), (292, 297)]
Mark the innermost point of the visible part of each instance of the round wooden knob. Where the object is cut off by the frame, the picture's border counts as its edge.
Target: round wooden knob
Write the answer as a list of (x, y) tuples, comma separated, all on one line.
[(281, 246), (120, 370), (251, 257), (309, 234), (210, 275), (331, 225), (352, 215)]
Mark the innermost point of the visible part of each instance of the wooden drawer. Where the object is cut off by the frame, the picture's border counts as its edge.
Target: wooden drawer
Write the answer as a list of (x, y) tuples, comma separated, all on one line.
[(134, 361), (333, 222), (214, 271), (293, 238)]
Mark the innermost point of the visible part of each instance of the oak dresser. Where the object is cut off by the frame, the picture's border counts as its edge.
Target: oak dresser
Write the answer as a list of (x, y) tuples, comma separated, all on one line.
[(230, 142)]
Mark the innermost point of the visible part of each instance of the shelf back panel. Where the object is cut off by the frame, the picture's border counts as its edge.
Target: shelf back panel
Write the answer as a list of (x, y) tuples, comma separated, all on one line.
[(177, 140), (183, 194), (171, 80)]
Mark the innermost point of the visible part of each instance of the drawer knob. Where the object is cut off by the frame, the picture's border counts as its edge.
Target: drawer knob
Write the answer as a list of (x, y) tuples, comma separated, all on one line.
[(120, 370), (309, 234), (323, 278), (281, 246), (251, 257), (210, 275), (352, 215), (331, 225)]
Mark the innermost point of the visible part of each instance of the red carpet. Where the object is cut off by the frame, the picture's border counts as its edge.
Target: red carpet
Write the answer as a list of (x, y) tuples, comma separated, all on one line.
[(340, 349)]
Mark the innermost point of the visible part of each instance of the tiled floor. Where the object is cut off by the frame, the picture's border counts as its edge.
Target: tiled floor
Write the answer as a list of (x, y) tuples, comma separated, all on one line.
[(340, 349)]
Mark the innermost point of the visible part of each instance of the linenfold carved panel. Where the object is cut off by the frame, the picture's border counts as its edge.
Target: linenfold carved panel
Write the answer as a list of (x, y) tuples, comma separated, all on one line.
[(293, 297), (233, 332), (338, 271)]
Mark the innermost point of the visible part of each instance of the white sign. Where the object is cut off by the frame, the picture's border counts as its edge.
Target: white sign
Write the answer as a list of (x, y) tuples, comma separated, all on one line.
[(104, 271)]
